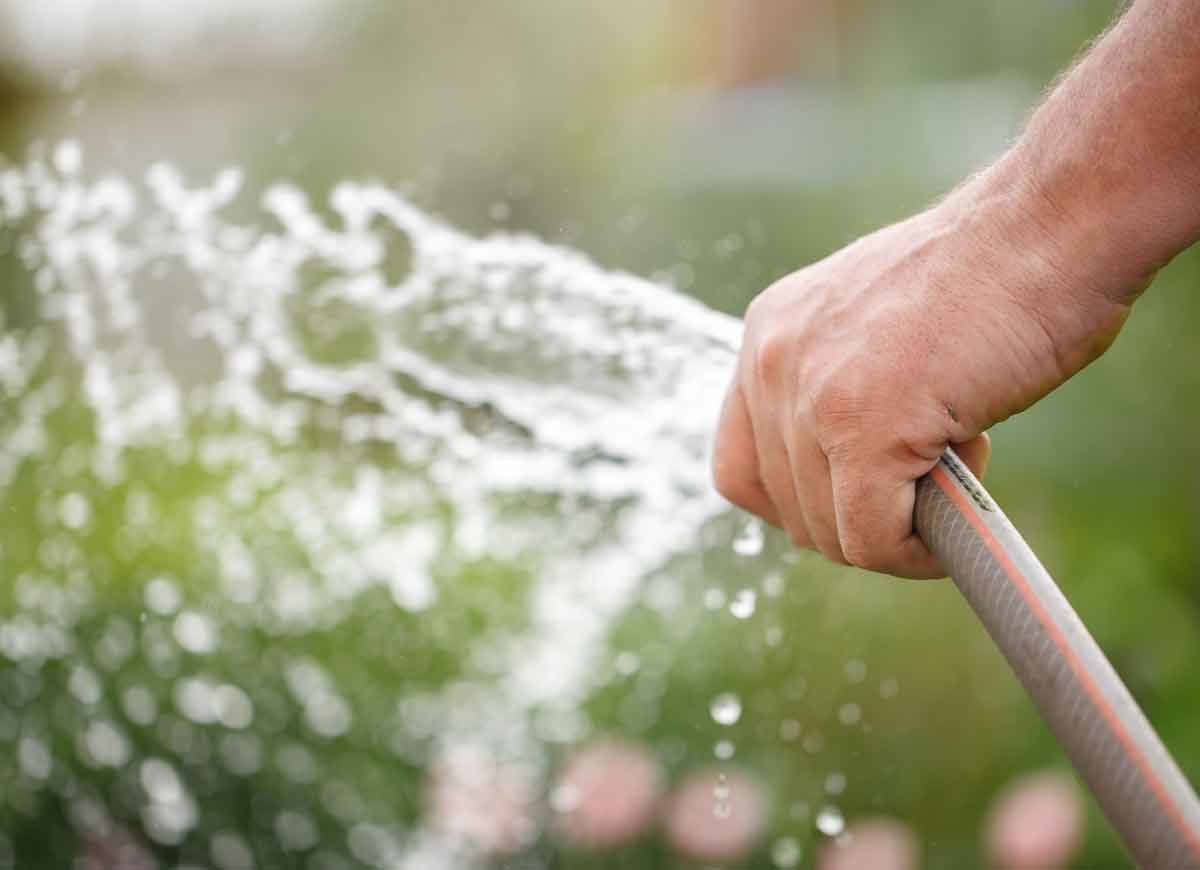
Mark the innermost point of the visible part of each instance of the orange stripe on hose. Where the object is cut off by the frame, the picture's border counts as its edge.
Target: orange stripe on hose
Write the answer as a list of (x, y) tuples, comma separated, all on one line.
[(946, 483)]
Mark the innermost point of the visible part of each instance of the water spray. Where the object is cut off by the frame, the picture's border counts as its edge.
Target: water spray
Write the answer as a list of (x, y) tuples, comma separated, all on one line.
[(460, 379)]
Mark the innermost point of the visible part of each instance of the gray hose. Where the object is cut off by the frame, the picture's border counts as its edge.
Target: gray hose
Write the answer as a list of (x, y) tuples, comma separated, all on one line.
[(1114, 748)]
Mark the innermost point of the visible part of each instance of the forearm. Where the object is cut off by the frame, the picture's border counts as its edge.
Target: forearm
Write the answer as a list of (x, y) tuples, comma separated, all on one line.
[(1105, 181)]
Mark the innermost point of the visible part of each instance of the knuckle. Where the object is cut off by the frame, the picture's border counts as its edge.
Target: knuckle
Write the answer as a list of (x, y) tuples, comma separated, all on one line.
[(756, 310), (825, 537), (851, 408), (831, 402), (854, 532), (858, 552), (836, 412), (771, 356)]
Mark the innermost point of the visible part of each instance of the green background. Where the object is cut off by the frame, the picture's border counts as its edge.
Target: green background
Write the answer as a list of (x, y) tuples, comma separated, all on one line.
[(571, 120)]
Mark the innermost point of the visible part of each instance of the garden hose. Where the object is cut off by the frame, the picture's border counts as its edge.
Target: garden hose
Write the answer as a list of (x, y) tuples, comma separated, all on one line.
[(1132, 776)]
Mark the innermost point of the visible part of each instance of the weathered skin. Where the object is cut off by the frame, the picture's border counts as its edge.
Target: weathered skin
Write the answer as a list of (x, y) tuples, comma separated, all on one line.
[(856, 372)]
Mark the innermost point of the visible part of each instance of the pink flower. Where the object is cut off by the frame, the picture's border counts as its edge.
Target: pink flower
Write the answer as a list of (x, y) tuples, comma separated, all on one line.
[(1035, 823), (483, 805), (880, 844), (716, 815), (607, 795)]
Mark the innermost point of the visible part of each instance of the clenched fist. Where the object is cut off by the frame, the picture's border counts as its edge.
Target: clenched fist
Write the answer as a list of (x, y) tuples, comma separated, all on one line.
[(856, 372)]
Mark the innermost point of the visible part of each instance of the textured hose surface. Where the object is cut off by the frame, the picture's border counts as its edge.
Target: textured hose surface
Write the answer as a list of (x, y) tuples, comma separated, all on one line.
[(1114, 748)]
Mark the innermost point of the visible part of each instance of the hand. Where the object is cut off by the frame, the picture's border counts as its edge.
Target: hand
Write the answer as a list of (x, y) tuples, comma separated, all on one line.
[(855, 373)]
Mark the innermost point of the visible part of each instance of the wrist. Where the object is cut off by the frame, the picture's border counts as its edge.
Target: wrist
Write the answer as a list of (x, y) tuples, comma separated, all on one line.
[(1062, 240), (1019, 236), (1107, 236), (1028, 253)]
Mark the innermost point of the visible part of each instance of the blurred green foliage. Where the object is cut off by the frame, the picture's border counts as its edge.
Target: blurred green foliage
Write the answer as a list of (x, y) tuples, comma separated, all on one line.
[(556, 113)]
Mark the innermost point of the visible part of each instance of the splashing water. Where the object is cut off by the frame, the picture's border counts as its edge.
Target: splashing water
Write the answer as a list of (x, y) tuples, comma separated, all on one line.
[(743, 604), (726, 709), (721, 797), (786, 852), (413, 478), (329, 409), (830, 821)]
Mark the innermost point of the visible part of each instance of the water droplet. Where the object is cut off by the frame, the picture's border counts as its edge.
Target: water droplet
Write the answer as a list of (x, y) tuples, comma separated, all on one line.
[(714, 598), (34, 758), (195, 632), (565, 798), (830, 821), (856, 671), (726, 708), (742, 606), (139, 705), (162, 596), (171, 811), (234, 709), (627, 663), (85, 685), (789, 730), (241, 753), (68, 157), (889, 688), (850, 714), (786, 853), (835, 783), (296, 831), (724, 750), (230, 851), (750, 541), (194, 699), (105, 744), (328, 715), (721, 792), (74, 511)]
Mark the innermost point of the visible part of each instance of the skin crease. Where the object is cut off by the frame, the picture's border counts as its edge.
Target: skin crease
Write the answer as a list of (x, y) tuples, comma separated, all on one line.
[(856, 372)]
